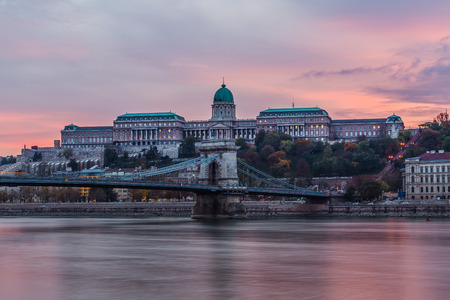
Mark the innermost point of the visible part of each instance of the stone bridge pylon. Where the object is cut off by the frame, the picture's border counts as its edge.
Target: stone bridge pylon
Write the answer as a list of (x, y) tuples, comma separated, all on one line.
[(223, 172)]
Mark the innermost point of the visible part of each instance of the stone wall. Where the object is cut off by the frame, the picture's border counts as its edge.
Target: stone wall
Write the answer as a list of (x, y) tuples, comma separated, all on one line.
[(53, 160), (169, 150), (184, 209)]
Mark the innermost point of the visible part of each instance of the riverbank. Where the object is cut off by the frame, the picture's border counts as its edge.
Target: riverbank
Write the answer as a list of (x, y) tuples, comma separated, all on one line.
[(184, 209)]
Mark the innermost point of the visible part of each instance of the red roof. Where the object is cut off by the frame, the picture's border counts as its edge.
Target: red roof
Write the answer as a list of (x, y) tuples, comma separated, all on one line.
[(435, 156)]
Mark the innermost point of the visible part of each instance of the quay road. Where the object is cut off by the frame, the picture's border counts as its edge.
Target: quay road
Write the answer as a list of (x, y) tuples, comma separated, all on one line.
[(255, 209)]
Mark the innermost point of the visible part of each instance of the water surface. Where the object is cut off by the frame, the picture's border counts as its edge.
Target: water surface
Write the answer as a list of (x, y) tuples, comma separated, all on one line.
[(175, 258)]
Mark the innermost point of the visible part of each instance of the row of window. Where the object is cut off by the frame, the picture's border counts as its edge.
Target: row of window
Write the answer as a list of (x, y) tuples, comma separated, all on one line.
[(430, 189), (431, 169), (294, 114), (87, 140), (145, 118), (91, 134), (306, 120), (431, 179), (370, 133), (145, 124), (360, 127)]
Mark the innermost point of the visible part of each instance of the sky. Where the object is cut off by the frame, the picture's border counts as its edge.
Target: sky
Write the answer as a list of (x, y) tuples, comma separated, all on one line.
[(87, 61)]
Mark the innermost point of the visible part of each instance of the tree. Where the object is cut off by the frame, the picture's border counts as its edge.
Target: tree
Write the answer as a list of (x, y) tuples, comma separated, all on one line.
[(138, 194), (266, 151), (281, 168), (13, 195), (73, 165), (350, 147), (68, 153), (250, 157), (26, 193), (366, 162), (370, 189), (242, 143), (275, 157), (302, 168), (151, 154), (350, 193), (327, 152), (303, 146), (442, 119), (3, 196), (405, 136), (111, 195), (259, 139), (37, 156), (287, 146), (273, 139), (187, 147), (446, 144), (319, 146), (97, 194), (110, 157), (430, 139)]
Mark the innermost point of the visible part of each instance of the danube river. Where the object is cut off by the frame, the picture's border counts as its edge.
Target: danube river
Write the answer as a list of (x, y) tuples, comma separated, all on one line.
[(176, 258)]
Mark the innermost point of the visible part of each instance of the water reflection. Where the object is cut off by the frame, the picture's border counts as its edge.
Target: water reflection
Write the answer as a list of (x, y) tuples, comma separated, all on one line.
[(259, 259)]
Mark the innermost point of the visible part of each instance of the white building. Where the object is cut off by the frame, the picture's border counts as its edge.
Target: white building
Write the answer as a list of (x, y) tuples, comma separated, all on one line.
[(428, 176)]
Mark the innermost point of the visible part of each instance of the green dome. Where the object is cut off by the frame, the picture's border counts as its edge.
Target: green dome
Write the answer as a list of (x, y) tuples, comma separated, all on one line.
[(223, 94), (394, 119)]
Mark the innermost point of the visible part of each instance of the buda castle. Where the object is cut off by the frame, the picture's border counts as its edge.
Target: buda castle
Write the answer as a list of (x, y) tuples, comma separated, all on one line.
[(134, 132)]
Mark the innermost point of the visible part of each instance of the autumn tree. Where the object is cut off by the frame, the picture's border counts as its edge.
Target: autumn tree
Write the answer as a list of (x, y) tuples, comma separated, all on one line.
[(266, 151), (430, 139), (303, 146), (302, 168), (250, 157), (442, 119)]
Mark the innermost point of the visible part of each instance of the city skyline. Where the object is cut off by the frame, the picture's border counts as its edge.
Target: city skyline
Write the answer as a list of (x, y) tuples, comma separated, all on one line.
[(87, 62)]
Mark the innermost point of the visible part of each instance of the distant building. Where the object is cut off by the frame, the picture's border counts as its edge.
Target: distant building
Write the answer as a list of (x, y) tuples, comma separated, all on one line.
[(307, 123), (427, 176), (370, 128), (73, 136), (134, 132)]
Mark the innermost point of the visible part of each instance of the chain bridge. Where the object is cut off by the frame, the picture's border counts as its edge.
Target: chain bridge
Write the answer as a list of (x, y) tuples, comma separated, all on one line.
[(217, 177)]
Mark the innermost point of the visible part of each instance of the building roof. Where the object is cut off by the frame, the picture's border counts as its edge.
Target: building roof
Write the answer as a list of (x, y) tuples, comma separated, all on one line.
[(358, 121), (223, 94), (88, 128), (430, 156), (293, 111), (394, 119), (149, 116)]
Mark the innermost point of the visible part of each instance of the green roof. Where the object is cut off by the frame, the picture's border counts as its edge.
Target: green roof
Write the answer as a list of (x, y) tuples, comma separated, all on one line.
[(88, 128), (223, 94), (394, 118), (147, 116), (277, 111)]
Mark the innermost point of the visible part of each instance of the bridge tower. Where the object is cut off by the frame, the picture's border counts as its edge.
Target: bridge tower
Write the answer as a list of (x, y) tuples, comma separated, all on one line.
[(223, 172)]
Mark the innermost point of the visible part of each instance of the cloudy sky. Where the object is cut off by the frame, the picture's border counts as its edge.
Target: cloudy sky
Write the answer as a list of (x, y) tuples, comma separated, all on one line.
[(88, 61)]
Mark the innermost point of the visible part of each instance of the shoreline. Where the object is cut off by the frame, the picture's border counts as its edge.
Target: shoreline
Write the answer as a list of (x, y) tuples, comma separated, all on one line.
[(254, 210)]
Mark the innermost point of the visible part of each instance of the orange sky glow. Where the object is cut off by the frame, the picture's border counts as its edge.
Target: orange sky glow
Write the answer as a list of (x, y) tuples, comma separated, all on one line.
[(87, 62)]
